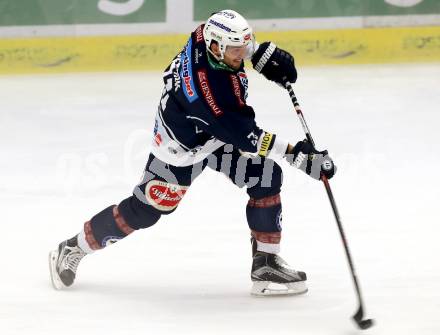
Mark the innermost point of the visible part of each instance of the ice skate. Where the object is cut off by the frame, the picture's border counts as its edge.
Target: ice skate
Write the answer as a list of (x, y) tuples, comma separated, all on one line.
[(271, 275), (63, 263)]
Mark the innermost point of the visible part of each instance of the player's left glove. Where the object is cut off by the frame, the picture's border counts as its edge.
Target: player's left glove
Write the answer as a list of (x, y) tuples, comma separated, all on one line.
[(314, 163), (274, 63)]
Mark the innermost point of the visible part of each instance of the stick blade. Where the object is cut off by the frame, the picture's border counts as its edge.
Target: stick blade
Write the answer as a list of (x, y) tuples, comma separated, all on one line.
[(360, 321)]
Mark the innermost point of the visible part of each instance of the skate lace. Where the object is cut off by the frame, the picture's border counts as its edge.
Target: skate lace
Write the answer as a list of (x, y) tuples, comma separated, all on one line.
[(73, 258)]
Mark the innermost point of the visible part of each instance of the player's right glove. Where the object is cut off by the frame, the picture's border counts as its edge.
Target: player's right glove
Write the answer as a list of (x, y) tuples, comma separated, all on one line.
[(314, 163)]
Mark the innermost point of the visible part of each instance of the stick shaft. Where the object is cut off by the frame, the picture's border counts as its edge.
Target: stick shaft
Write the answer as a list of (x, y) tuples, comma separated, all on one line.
[(330, 196)]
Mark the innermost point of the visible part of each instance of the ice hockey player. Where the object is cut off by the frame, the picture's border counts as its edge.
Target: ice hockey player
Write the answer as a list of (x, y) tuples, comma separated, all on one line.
[(202, 121)]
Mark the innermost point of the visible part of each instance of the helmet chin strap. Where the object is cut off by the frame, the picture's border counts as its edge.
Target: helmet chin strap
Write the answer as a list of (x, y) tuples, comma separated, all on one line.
[(218, 58)]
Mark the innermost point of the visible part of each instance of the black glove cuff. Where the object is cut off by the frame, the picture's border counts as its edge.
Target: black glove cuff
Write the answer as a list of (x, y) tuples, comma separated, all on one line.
[(262, 55), (297, 148)]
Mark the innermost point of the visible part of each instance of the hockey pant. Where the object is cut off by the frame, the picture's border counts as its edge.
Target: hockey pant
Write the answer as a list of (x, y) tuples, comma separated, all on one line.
[(163, 186)]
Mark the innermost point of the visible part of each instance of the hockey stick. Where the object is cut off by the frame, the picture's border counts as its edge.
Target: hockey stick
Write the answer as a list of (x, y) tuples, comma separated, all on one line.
[(358, 317)]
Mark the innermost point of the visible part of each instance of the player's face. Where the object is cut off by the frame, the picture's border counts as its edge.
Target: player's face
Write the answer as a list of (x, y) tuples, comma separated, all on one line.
[(233, 56)]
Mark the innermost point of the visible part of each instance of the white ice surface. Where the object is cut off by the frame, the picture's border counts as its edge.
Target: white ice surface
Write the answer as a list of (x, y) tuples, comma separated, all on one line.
[(73, 144)]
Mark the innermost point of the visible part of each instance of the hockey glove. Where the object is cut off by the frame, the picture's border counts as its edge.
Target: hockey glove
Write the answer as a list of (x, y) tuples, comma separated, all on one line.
[(314, 163), (274, 63)]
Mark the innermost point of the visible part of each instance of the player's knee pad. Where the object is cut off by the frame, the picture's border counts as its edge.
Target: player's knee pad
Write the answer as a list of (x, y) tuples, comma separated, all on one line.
[(265, 214), (269, 184), (106, 227), (138, 214)]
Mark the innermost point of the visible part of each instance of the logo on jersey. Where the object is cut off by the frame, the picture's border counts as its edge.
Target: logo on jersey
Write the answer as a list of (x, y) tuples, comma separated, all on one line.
[(199, 34), (244, 83), (206, 91), (174, 68), (187, 79), (156, 126), (196, 150), (172, 151), (253, 138), (236, 88), (164, 196), (186, 73), (176, 81), (197, 54), (157, 137)]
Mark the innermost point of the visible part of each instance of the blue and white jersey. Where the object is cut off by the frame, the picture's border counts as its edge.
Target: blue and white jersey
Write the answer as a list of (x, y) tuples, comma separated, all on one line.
[(203, 106)]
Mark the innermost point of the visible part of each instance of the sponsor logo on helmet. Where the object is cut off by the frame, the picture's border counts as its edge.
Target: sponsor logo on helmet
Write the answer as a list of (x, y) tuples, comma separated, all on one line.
[(229, 15), (216, 36), (206, 91), (247, 37), (164, 196), (220, 25)]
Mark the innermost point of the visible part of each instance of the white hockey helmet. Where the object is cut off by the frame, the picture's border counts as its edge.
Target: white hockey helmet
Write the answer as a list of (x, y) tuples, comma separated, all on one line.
[(228, 28)]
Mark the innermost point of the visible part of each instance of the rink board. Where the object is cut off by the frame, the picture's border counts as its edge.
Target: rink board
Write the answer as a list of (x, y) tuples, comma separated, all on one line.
[(153, 52)]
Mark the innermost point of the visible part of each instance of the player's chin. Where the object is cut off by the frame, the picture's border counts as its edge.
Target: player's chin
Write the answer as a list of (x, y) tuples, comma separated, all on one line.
[(236, 64)]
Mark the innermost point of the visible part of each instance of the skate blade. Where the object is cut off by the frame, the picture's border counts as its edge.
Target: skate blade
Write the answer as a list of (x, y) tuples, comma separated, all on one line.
[(267, 288), (55, 278)]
